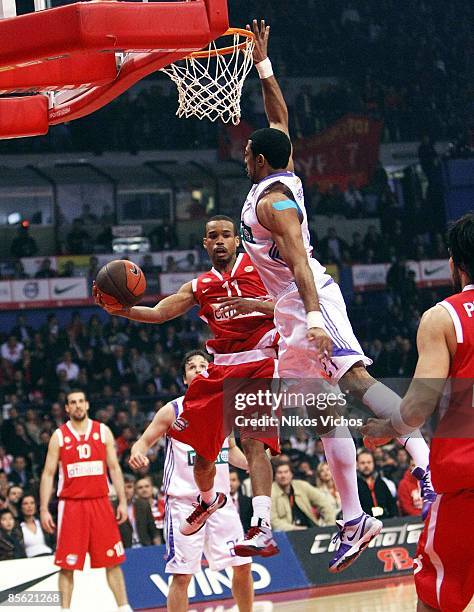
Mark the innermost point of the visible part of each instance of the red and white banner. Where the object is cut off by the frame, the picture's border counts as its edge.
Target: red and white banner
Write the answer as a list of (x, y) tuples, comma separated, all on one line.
[(430, 273), (43, 293), (346, 151)]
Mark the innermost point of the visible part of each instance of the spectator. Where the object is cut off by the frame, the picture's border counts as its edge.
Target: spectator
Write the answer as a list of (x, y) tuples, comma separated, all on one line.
[(87, 216), (45, 269), (357, 249), (22, 330), (20, 475), (37, 542), (139, 529), (354, 201), (6, 460), (68, 366), (410, 500), (23, 245), (325, 483), (12, 350), (144, 490), (78, 240), (295, 503), (242, 503), (332, 247), (11, 538), (374, 494), (373, 242), (14, 495)]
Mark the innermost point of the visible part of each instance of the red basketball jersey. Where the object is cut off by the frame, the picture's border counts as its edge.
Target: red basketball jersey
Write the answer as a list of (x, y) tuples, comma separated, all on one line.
[(452, 448), (82, 462), (234, 333)]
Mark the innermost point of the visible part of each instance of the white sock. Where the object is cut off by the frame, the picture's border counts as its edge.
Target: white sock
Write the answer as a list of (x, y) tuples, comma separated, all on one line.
[(417, 448), (125, 608), (340, 452), (262, 507), (383, 401), (208, 496)]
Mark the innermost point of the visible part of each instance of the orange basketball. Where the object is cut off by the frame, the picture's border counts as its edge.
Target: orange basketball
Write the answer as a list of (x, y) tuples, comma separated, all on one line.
[(121, 282)]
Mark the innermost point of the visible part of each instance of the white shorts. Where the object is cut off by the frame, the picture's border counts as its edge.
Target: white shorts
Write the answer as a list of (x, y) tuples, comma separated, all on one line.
[(297, 356), (216, 539)]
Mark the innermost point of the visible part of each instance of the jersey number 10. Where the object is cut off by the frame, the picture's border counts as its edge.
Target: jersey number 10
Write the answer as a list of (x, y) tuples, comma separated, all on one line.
[(84, 451)]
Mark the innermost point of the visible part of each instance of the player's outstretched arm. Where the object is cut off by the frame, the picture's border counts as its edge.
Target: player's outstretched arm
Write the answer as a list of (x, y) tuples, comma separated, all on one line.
[(168, 308), (274, 103), (236, 456), (435, 337), (285, 227), (116, 476), (162, 421), (47, 482)]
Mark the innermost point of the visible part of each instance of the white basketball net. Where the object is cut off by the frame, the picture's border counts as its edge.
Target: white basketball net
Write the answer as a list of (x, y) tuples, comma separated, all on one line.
[(211, 87)]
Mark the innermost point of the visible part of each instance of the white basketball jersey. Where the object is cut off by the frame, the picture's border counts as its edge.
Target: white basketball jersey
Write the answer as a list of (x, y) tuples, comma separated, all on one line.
[(178, 478), (258, 242)]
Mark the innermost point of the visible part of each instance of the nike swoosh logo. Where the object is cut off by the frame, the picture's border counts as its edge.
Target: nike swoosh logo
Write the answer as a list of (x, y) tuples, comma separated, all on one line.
[(59, 290), (19, 588), (434, 270), (205, 290), (360, 529)]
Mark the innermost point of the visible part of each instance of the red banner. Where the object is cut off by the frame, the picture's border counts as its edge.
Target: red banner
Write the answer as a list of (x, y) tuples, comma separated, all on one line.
[(346, 151)]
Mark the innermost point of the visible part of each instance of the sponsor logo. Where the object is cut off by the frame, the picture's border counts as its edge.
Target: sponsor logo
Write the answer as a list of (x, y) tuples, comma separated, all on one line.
[(67, 439), (205, 290), (246, 233), (222, 457), (31, 290), (390, 536), (433, 270), (249, 269), (133, 269), (61, 290), (206, 280), (96, 436), (110, 553), (85, 468), (71, 559), (180, 424), (395, 559)]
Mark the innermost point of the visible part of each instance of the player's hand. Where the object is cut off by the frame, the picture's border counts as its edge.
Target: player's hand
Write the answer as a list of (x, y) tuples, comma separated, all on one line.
[(138, 459), (47, 522), (379, 431), (122, 514), (261, 33), (235, 305), (322, 341), (112, 310)]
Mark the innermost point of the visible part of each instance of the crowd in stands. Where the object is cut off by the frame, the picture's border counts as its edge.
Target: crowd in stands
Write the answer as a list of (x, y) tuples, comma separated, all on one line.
[(408, 64)]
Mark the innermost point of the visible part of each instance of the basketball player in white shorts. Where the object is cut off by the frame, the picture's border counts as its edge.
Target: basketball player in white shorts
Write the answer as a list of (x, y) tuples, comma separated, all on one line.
[(222, 530), (316, 337)]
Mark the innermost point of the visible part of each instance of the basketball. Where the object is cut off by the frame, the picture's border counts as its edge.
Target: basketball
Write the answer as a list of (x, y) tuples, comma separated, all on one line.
[(121, 282)]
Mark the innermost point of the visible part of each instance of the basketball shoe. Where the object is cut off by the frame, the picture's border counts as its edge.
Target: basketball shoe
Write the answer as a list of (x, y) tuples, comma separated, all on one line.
[(258, 541), (354, 537), (427, 492), (202, 511)]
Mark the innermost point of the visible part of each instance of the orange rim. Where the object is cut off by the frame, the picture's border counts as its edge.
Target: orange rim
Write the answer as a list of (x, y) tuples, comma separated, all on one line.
[(225, 50)]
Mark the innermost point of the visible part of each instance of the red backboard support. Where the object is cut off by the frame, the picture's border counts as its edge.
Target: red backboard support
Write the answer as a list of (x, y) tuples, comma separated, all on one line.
[(91, 52)]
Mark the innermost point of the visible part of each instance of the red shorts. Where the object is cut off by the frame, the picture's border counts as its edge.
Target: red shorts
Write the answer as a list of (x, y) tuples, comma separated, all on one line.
[(209, 413), (444, 566), (88, 526)]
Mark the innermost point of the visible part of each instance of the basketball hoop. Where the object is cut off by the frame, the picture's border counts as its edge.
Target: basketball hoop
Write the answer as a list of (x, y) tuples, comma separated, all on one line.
[(210, 82)]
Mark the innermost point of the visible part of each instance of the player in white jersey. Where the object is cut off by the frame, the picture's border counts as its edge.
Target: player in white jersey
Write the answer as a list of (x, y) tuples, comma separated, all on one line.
[(310, 315), (222, 530)]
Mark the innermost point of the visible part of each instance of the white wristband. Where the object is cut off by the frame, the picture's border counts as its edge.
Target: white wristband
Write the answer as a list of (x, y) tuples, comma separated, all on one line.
[(314, 318), (264, 68), (399, 425)]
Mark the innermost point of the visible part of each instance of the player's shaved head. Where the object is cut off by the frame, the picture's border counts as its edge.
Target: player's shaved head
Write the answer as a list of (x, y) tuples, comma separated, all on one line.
[(461, 248)]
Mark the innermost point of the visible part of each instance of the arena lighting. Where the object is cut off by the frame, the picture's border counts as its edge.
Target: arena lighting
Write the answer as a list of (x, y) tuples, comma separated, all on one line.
[(14, 218)]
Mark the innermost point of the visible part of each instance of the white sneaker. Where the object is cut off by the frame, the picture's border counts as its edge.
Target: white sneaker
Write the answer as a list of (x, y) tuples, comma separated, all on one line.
[(355, 536), (258, 542), (202, 511)]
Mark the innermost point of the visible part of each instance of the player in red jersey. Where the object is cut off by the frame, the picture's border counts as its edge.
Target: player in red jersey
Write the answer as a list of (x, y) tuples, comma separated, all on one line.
[(444, 566), (244, 347), (84, 449)]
